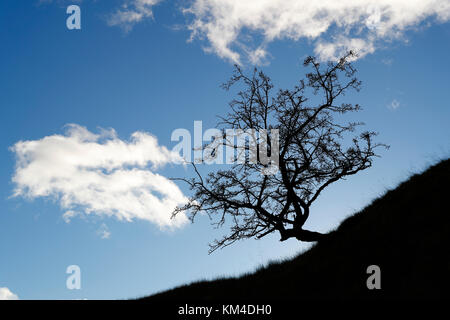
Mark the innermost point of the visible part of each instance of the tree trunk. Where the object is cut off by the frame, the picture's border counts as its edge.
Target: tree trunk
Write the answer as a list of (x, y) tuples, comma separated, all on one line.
[(301, 235)]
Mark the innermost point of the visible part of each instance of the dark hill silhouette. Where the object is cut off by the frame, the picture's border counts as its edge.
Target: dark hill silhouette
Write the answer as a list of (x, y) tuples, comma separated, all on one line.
[(405, 232)]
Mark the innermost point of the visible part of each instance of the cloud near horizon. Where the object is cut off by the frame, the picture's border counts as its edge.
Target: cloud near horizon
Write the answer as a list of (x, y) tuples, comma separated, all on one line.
[(6, 294), (100, 174)]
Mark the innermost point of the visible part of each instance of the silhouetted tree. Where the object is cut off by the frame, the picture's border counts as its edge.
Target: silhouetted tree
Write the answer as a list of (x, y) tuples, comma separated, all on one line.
[(311, 150)]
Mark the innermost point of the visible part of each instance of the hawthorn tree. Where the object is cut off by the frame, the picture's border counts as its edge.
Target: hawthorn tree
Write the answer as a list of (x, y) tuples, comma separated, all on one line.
[(312, 148)]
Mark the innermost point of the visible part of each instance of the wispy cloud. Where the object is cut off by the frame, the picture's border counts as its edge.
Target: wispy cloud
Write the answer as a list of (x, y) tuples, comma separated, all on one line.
[(242, 30), (103, 231), (332, 26), (387, 61), (132, 12), (100, 174), (69, 215), (6, 294), (395, 104)]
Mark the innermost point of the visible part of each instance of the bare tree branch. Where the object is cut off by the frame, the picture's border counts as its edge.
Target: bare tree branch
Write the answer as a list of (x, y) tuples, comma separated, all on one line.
[(313, 154)]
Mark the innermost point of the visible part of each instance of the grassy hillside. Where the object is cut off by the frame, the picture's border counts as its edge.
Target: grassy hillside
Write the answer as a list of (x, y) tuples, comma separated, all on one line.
[(406, 233)]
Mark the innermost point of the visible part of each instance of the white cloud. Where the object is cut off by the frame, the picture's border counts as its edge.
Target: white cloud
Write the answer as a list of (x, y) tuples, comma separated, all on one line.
[(387, 61), (132, 12), (69, 215), (100, 174), (6, 294), (333, 26), (395, 104), (103, 231), (239, 30), (337, 48)]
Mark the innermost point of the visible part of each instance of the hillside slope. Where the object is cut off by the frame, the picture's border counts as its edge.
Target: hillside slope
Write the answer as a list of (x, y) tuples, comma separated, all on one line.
[(406, 233)]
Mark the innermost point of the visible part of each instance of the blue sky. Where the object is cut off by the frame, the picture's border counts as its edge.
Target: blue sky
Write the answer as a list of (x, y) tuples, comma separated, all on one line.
[(132, 69)]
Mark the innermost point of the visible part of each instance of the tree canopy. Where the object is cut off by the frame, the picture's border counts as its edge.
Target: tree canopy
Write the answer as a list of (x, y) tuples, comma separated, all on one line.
[(311, 148)]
